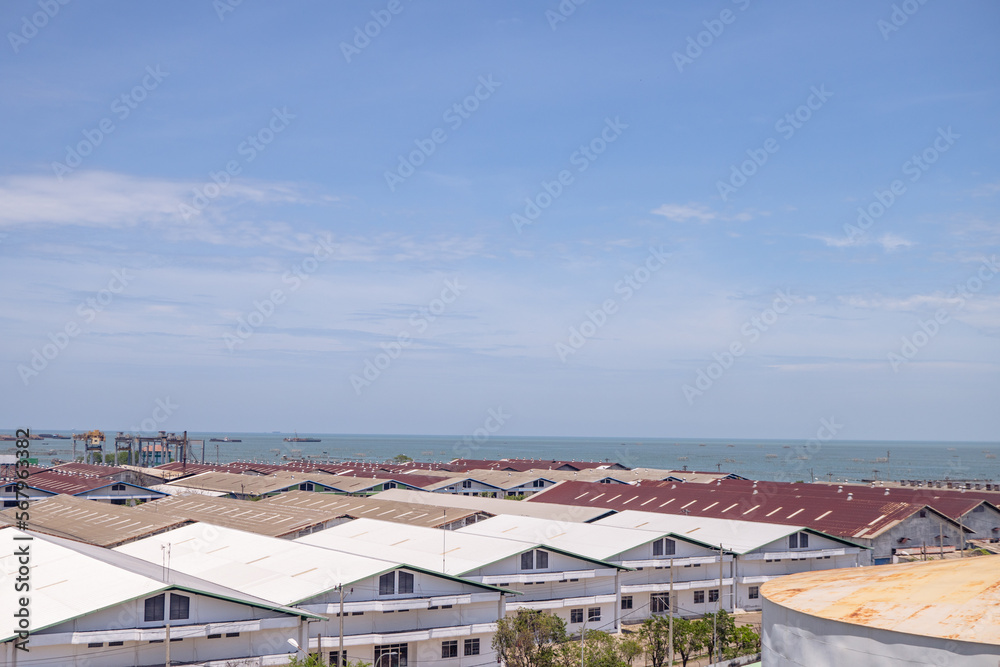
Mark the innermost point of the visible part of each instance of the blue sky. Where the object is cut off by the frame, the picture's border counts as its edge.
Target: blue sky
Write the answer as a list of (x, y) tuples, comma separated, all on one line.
[(215, 209)]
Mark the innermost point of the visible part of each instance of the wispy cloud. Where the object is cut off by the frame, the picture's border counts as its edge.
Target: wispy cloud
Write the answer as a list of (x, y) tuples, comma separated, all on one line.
[(889, 242), (693, 211)]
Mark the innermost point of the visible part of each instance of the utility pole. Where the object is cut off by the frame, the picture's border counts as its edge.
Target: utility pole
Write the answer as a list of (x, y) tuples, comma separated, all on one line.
[(670, 612), (166, 642), (340, 649)]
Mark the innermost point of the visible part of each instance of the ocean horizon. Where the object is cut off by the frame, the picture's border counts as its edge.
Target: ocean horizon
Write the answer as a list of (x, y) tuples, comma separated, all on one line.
[(765, 459)]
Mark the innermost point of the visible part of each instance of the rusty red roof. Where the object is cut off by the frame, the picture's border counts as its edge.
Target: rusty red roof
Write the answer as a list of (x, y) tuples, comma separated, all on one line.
[(844, 515)]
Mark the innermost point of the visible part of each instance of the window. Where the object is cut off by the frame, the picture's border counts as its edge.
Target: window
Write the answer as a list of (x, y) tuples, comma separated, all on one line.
[(541, 559), (357, 613), (576, 615), (803, 540), (793, 541), (754, 592), (922, 514), (664, 547), (95, 644), (405, 582), (527, 560), (593, 614), (538, 483), (466, 483), (180, 606), (659, 603), (626, 602), (117, 487), (232, 634), (390, 655), (713, 595), (449, 649), (471, 647), (218, 636), (387, 583), (154, 608), (308, 486), (116, 643), (979, 508), (699, 597), (337, 659)]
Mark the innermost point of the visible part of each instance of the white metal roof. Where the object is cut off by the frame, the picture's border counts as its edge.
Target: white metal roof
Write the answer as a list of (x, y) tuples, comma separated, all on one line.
[(71, 579), (590, 539), (737, 536), (269, 567), (449, 551), (495, 505)]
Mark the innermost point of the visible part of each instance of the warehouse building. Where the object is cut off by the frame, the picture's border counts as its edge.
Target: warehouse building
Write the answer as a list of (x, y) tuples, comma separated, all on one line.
[(758, 552), (261, 518), (392, 611), (495, 506), (93, 606), (346, 508), (935, 613), (576, 588)]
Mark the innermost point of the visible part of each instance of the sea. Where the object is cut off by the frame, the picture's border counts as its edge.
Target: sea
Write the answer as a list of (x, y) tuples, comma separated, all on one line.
[(778, 460)]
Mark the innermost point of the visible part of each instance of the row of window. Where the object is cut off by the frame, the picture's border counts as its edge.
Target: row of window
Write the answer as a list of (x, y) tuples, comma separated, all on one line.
[(160, 641), (449, 648), (593, 614), (180, 607)]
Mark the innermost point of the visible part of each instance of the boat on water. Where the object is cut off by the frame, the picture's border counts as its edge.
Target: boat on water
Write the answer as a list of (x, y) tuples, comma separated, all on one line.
[(298, 439), (52, 436), (226, 439)]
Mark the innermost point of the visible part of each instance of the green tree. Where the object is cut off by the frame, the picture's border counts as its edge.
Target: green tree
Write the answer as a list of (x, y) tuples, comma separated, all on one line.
[(529, 638), (719, 629), (600, 649), (402, 458), (316, 660), (744, 641), (689, 638), (655, 636)]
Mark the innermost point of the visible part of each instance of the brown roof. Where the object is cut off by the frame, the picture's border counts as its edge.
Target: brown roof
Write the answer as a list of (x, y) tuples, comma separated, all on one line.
[(250, 516), (90, 521), (354, 507), (845, 515)]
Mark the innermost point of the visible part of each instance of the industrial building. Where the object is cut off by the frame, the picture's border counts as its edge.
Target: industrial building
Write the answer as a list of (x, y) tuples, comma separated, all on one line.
[(577, 588), (375, 507), (391, 611), (934, 613), (495, 506), (93, 606)]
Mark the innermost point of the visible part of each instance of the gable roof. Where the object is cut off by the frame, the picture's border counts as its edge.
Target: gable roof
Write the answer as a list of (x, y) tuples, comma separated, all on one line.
[(71, 579)]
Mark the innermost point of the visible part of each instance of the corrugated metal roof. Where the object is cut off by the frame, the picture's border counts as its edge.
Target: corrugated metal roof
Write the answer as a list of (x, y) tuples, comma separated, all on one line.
[(286, 571), (254, 517), (737, 536), (844, 516), (589, 539), (495, 506), (75, 484), (93, 522), (454, 552), (953, 599), (357, 507), (71, 579)]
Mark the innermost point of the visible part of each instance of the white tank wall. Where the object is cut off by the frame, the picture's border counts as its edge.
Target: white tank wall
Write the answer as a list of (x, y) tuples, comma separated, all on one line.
[(792, 639)]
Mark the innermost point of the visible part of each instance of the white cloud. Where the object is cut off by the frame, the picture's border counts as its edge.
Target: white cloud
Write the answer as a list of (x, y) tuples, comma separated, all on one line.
[(889, 242), (685, 212)]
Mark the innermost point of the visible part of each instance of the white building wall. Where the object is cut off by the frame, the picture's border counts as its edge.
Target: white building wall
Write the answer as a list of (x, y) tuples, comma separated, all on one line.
[(792, 639)]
